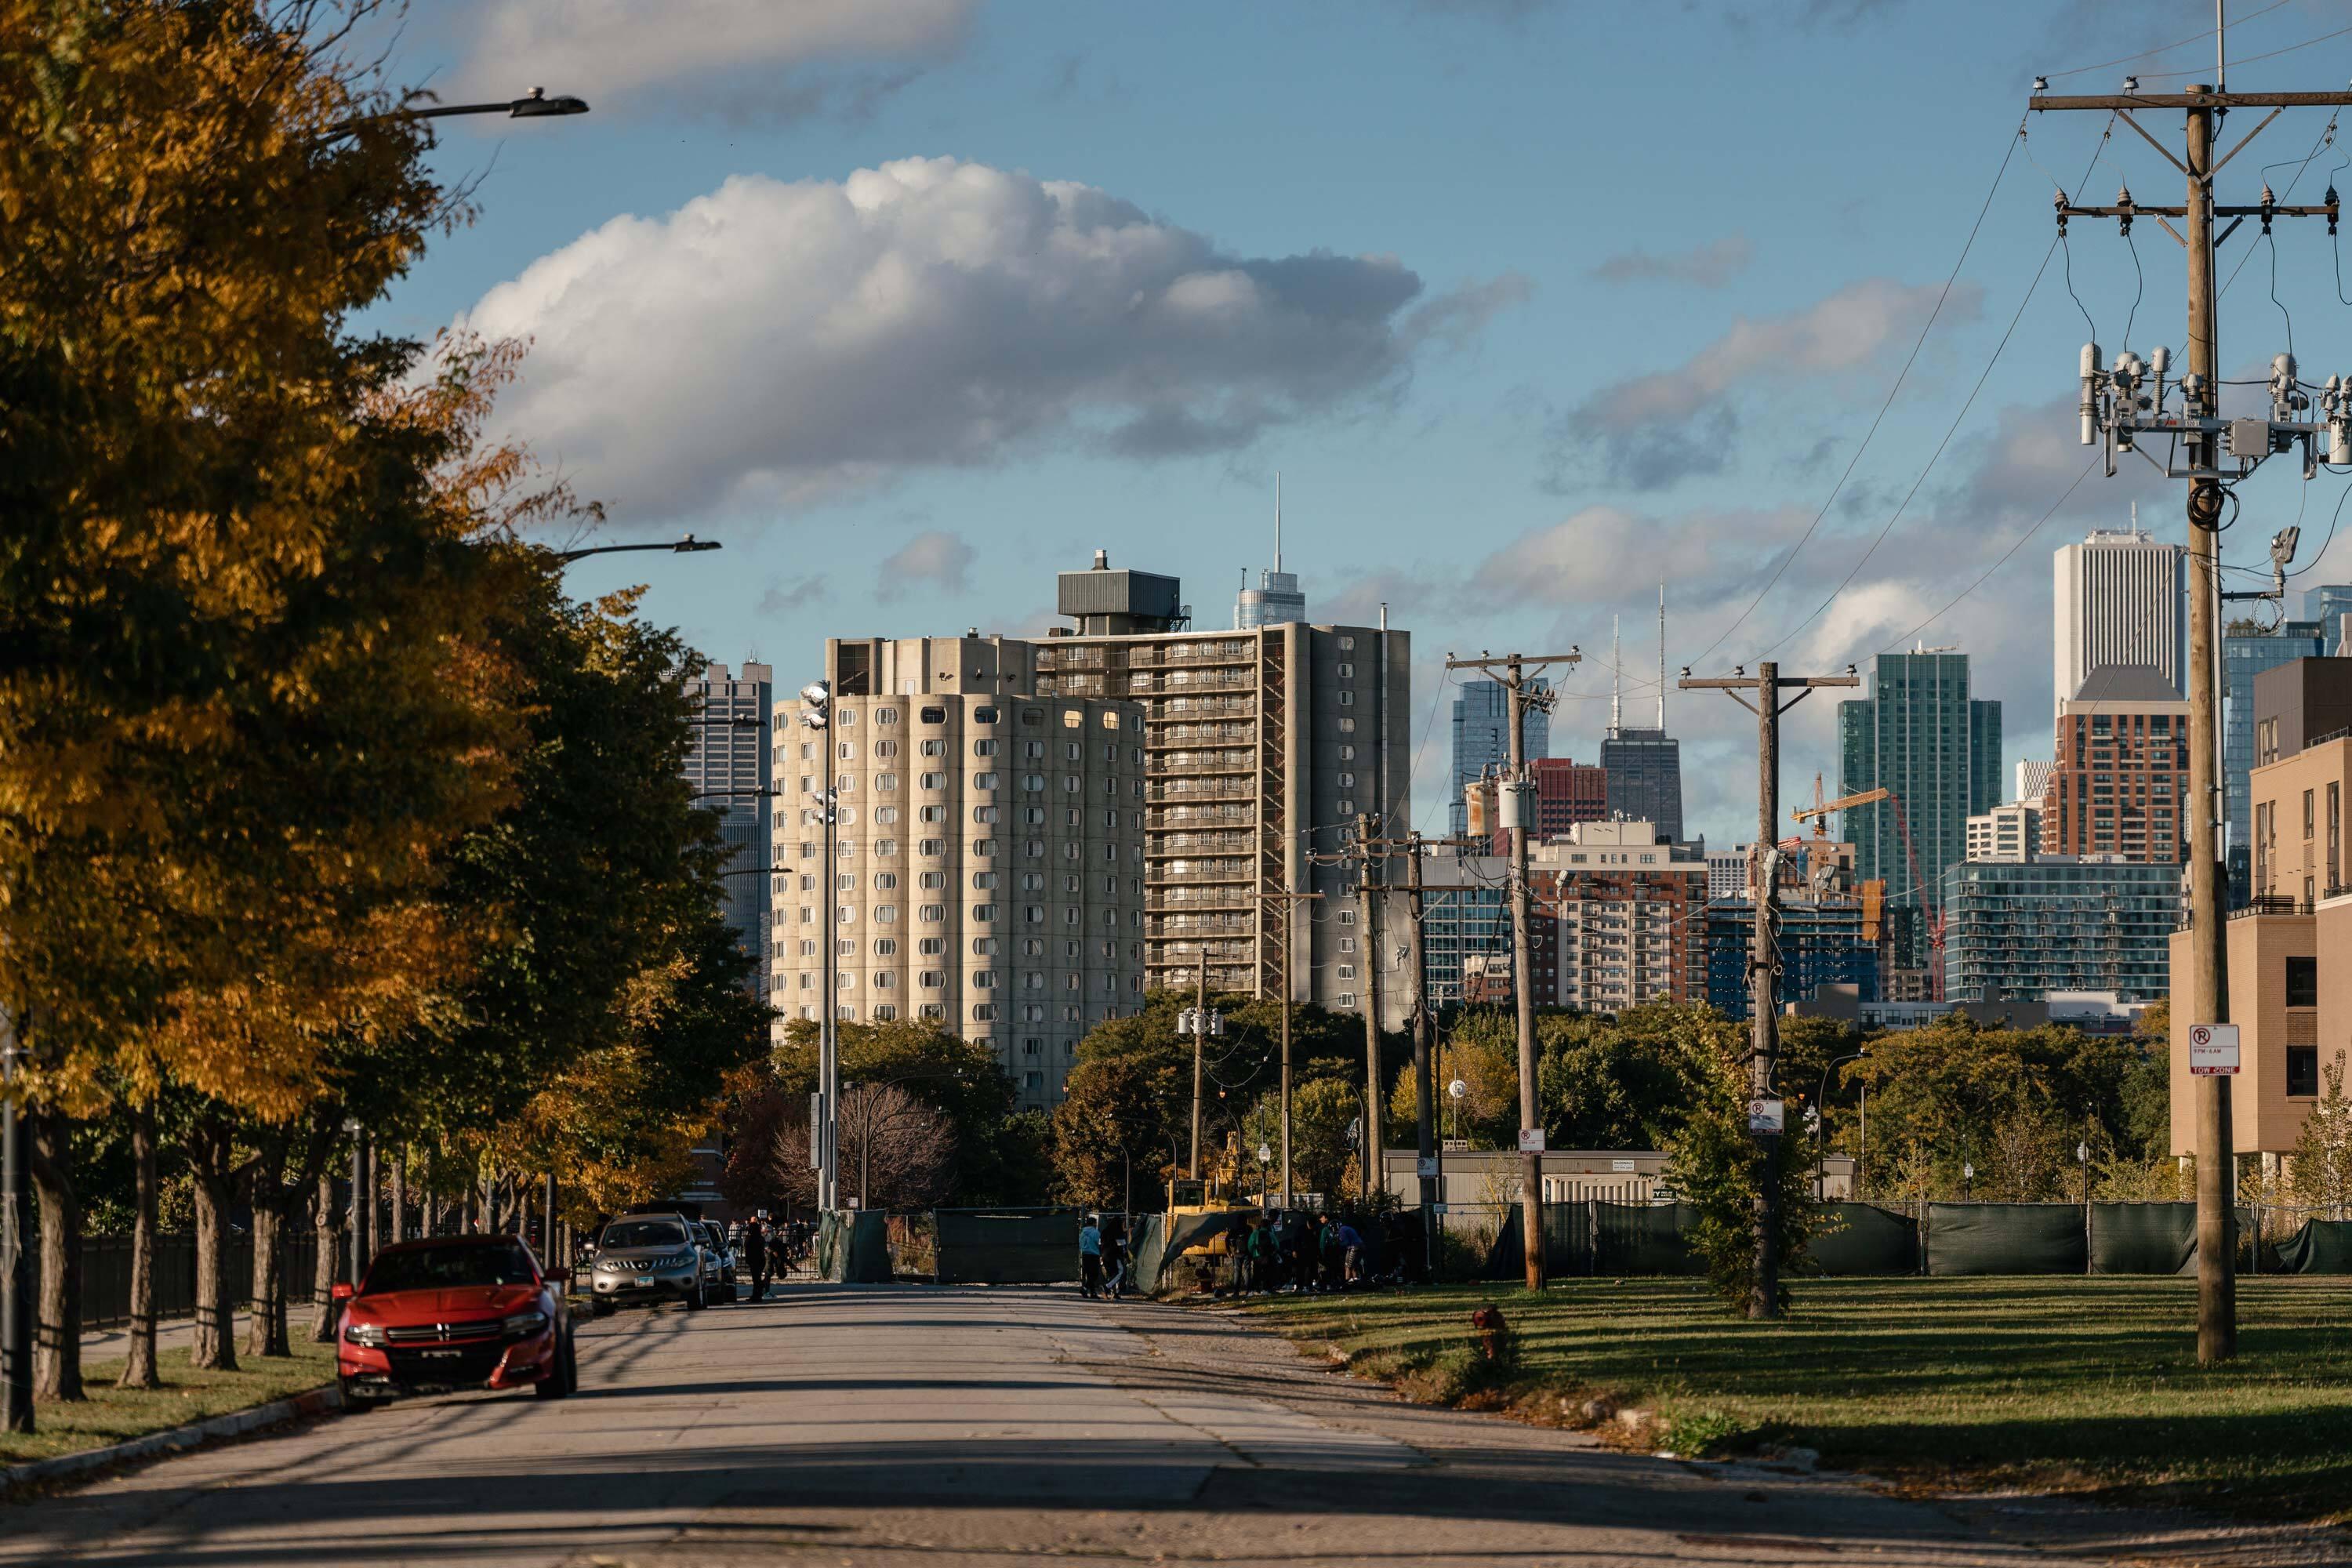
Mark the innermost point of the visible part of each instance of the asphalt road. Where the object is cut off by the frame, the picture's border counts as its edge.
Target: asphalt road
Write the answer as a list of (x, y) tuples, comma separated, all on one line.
[(908, 1425)]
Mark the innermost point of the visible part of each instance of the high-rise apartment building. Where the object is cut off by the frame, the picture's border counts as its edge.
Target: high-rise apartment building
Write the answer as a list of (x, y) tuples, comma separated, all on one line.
[(988, 868), (1821, 943), (727, 766), (1629, 912), (2032, 779), (2015, 932), (1645, 769), (1465, 923), (2246, 652), (2121, 783), (1482, 739), (2011, 832), (1261, 749), (1567, 792), (1920, 735), (2119, 601)]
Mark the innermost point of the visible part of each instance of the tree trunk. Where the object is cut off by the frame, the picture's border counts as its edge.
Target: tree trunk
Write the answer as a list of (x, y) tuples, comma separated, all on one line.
[(265, 1334), (398, 1230), (323, 1273), (212, 1346), (139, 1359), (57, 1353)]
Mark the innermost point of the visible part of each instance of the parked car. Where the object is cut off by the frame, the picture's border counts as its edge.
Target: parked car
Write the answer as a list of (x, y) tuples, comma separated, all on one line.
[(645, 1258), (452, 1312), (723, 1246)]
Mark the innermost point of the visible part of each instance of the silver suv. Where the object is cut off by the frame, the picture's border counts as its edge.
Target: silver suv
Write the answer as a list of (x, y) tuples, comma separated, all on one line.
[(642, 1258)]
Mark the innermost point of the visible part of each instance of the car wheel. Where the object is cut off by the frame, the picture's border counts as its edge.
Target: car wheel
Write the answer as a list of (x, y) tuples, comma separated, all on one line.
[(696, 1301), (559, 1379), (354, 1400), (600, 1307)]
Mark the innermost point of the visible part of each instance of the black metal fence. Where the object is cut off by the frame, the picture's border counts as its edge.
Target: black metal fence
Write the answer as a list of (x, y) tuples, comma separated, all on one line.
[(106, 1274)]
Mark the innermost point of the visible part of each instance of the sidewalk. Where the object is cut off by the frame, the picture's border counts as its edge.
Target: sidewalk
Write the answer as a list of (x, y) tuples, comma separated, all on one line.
[(110, 1344)]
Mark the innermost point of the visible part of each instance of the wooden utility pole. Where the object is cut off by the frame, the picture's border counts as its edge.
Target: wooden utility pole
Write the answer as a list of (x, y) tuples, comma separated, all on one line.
[(1513, 797), (1285, 899), (1369, 1145), (1200, 1030), (1765, 1108), (1425, 1022), (2216, 452)]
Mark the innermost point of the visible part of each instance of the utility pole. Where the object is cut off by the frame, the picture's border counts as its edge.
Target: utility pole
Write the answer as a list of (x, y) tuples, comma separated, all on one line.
[(2211, 453), (1285, 899), (1424, 1024), (1512, 795), (1200, 1030), (1765, 1108), (1369, 1145)]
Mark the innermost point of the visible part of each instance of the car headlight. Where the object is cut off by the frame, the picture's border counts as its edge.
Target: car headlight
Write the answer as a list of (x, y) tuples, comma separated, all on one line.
[(370, 1334), (683, 1261), (528, 1322)]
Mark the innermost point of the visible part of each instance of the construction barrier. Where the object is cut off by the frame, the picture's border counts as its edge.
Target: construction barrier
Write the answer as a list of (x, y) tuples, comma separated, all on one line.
[(2320, 1246), (2143, 1238), (2006, 1238), (1864, 1238), (1008, 1247), (852, 1247)]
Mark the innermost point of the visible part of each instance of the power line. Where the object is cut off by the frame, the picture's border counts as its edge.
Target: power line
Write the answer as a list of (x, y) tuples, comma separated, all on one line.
[(2015, 545), (1951, 278), (2248, 59), (2162, 49)]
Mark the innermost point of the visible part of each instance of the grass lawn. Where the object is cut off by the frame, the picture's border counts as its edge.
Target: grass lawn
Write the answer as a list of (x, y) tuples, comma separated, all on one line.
[(2086, 1386), (112, 1415)]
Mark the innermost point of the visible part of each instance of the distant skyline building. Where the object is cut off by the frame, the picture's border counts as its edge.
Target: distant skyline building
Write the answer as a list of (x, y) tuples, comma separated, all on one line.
[(2119, 601), (1568, 792), (1644, 766), (1629, 912), (2121, 783), (1482, 739), (727, 767), (1921, 735), (2010, 832), (2244, 655), (2016, 932), (1277, 597), (2328, 605)]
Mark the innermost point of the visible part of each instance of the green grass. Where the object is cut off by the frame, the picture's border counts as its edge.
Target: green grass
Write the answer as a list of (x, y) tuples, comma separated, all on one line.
[(2085, 1385), (112, 1415)]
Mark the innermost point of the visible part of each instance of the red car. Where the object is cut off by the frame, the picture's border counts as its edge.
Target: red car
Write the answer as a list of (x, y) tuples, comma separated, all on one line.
[(463, 1312)]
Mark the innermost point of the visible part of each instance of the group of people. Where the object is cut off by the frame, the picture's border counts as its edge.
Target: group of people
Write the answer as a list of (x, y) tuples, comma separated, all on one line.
[(1104, 1266), (764, 1248), (1278, 1252)]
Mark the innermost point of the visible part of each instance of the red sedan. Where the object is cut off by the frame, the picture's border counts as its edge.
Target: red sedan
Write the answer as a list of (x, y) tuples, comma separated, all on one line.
[(466, 1311)]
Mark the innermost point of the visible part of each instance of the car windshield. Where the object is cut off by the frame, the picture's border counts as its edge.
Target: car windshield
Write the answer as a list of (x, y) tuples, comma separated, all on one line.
[(448, 1267), (644, 1233)]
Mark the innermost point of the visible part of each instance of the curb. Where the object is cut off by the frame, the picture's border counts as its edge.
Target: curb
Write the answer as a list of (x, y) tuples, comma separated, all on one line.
[(235, 1424)]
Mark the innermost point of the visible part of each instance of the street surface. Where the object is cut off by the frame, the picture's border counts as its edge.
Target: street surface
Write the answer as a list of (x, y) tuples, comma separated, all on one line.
[(908, 1424)]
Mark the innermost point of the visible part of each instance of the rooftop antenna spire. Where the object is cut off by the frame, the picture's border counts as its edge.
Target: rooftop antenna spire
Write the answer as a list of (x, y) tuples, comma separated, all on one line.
[(1662, 659), (1617, 690), (1277, 519)]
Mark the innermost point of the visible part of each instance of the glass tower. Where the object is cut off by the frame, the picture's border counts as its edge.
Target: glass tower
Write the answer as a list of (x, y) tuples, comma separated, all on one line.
[(1482, 739)]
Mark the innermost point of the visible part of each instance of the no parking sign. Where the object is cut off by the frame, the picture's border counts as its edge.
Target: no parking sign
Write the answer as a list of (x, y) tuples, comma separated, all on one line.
[(2213, 1050)]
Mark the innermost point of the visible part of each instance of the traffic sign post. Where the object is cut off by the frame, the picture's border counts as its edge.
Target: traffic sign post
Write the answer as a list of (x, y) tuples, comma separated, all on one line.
[(2213, 1050)]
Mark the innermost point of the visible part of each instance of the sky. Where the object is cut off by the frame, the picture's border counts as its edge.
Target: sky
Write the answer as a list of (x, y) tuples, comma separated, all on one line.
[(1534, 306)]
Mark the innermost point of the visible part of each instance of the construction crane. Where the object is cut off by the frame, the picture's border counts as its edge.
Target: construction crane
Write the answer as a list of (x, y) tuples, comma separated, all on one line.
[(1818, 814)]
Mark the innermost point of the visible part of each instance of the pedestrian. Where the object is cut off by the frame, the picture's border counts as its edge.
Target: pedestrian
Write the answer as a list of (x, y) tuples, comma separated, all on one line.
[(1114, 1264), (1298, 1235), (1265, 1257), (1351, 1254), (756, 1254), (1090, 1262), (1327, 1252)]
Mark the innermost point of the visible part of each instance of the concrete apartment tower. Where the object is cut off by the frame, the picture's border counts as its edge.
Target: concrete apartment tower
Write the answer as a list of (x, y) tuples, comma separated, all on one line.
[(2120, 784), (989, 863), (1262, 747), (2118, 600), (727, 766)]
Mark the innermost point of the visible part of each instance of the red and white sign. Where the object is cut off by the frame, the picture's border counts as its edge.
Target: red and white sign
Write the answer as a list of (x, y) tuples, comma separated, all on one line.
[(1531, 1140), (2213, 1050)]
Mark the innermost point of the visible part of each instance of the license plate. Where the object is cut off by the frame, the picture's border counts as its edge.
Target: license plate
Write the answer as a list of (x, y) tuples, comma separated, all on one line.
[(440, 1355)]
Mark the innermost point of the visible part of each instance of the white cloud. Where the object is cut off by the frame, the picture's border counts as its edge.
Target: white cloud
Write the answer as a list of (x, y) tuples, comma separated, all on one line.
[(1650, 431), (771, 344), (734, 57), (1708, 266), (934, 558)]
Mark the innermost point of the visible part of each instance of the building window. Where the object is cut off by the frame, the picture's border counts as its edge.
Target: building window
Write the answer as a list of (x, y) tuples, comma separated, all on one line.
[(2302, 1072), (1346, 998), (2302, 982)]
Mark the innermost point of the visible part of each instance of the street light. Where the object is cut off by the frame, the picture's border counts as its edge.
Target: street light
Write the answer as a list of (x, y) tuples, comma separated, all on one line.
[(534, 105), (816, 715), (1820, 1100), (689, 545)]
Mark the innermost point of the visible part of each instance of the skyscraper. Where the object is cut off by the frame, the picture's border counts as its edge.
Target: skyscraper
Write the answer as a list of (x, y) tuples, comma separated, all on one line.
[(2246, 653), (1481, 739), (2121, 783), (1920, 735), (2119, 601), (1276, 598), (1645, 766), (727, 766)]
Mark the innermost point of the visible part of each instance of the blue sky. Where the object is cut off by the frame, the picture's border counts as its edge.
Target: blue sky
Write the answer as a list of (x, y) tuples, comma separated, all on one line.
[(1533, 306)]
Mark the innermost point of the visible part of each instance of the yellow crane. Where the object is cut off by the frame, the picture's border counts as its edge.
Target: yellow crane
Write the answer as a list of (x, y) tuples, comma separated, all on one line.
[(1818, 813)]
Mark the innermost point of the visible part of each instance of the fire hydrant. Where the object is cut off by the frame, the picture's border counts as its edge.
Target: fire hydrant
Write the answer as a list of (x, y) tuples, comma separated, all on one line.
[(1488, 1320)]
